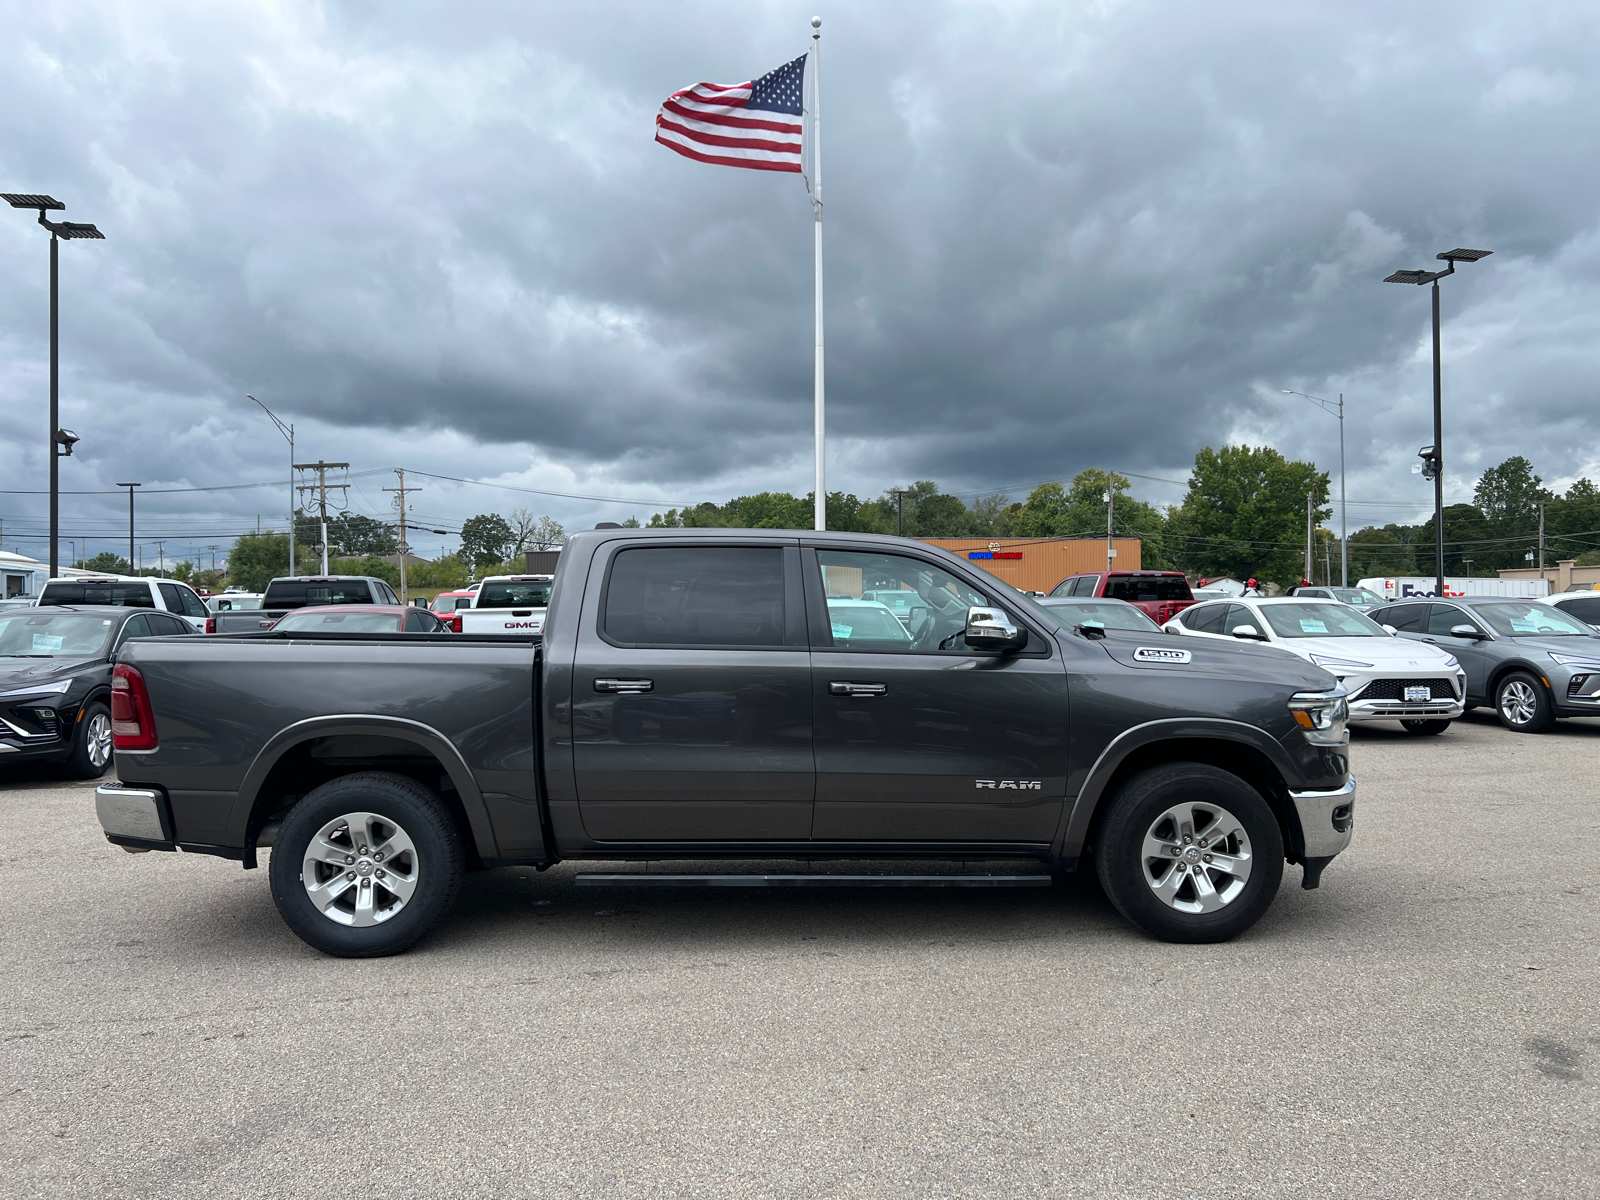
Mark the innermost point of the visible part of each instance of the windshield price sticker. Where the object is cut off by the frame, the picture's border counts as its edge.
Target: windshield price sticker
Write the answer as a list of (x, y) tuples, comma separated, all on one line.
[(842, 630), (43, 643), (1152, 654), (1521, 625), (1312, 626)]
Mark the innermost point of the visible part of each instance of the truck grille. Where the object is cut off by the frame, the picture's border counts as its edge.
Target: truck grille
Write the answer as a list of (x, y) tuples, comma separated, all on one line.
[(1395, 689)]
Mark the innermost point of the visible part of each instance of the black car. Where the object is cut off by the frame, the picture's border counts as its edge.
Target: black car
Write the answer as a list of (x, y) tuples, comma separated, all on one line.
[(55, 680)]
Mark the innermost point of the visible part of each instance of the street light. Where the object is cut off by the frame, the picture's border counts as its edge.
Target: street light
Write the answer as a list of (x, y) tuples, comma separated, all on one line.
[(130, 487), (1329, 407), (58, 437), (1419, 278), (288, 432)]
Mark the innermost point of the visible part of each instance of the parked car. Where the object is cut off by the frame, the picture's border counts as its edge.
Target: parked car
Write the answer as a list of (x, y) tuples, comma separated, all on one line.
[(1102, 614), (291, 592), (688, 699), (867, 624), (1162, 595), (1530, 660), (1585, 606), (1388, 679), (1355, 597), (137, 591), (55, 680), (508, 604), (361, 618), (234, 602), (448, 606)]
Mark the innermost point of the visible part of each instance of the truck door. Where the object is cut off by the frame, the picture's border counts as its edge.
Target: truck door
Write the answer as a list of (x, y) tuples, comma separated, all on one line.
[(919, 738), (692, 696)]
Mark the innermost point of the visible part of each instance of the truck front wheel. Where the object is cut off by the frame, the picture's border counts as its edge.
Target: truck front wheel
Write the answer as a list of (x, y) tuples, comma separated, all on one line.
[(1190, 853), (365, 865)]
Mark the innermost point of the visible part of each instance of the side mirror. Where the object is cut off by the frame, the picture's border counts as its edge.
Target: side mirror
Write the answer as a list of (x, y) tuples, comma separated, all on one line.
[(1391, 630), (1248, 632), (1467, 631), (991, 629)]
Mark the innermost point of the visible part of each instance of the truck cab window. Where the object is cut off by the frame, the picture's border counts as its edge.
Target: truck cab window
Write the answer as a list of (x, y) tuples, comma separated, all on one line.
[(928, 612), (695, 596)]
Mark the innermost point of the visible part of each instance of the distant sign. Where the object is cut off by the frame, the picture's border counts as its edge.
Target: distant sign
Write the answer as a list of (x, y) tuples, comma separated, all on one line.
[(994, 554)]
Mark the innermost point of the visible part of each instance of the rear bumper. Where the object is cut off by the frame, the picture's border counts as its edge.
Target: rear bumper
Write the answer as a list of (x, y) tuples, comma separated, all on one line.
[(1327, 819), (136, 817)]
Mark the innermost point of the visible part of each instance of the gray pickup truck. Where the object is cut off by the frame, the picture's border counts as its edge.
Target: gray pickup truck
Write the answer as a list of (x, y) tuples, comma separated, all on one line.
[(721, 694), (301, 591)]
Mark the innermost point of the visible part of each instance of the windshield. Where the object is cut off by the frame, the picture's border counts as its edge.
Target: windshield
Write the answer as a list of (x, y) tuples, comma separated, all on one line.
[(234, 603), (292, 593), (1319, 620), (132, 594), (35, 634), (514, 593), (1148, 587), (1529, 619), (1112, 614), (326, 622), (449, 604), (1357, 596)]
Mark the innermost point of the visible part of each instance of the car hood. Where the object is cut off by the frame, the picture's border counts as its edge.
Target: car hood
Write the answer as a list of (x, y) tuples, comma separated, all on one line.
[(1238, 660), (1577, 646), (1389, 654), (18, 673)]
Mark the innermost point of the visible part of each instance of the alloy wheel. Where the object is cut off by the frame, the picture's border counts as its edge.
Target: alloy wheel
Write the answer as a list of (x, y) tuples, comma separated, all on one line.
[(97, 740), (1196, 857), (360, 869), (1518, 703)]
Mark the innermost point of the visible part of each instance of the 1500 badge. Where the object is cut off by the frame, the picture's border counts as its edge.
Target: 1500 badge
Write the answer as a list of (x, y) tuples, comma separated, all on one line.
[(1152, 654), (1016, 785)]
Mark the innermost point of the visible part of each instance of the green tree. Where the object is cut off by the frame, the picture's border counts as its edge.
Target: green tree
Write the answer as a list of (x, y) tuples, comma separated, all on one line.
[(257, 558), (357, 536), (1245, 514), (183, 571), (1375, 552), (486, 539), (1467, 536), (1080, 511), (1572, 523), (370, 565), (447, 573), (108, 563), (1508, 496)]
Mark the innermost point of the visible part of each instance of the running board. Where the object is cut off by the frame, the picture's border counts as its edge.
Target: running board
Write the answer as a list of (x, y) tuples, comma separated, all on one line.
[(639, 879)]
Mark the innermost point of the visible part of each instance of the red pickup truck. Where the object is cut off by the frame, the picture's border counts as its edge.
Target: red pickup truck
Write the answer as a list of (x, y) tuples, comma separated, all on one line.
[(1161, 594)]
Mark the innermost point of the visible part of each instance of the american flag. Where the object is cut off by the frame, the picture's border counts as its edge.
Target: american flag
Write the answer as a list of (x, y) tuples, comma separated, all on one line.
[(755, 125)]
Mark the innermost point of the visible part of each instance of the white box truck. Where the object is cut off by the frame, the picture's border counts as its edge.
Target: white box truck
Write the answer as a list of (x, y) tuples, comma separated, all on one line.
[(1399, 587)]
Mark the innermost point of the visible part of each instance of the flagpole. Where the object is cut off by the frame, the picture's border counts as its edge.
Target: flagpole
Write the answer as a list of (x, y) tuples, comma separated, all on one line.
[(820, 507)]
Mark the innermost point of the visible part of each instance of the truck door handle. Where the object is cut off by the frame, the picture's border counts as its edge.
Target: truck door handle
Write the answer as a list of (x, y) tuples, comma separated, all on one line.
[(839, 688), (624, 687)]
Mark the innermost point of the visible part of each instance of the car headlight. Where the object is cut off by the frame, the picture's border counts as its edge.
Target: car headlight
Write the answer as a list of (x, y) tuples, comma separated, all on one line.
[(1574, 660), (1322, 716), (1327, 660), (60, 686)]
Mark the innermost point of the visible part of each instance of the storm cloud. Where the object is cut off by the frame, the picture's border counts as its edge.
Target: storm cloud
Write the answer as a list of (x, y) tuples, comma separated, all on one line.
[(1057, 236)]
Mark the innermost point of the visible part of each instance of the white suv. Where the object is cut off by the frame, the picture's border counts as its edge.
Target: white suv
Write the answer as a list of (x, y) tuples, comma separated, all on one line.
[(129, 591)]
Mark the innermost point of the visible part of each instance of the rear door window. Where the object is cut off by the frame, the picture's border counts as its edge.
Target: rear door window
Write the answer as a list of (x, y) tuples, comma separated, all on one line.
[(1204, 618), (1585, 609), (669, 596), (293, 593), (1404, 618)]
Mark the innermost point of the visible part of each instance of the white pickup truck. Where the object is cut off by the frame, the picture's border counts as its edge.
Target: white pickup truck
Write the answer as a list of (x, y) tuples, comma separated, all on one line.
[(509, 604)]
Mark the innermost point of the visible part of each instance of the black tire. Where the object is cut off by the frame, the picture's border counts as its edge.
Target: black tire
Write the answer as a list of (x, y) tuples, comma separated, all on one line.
[(1136, 810), (1523, 704), (91, 743), (434, 861), (1424, 726)]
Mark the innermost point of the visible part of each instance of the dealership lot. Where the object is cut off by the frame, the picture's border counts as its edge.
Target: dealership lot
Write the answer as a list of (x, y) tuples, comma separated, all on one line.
[(1425, 1024)]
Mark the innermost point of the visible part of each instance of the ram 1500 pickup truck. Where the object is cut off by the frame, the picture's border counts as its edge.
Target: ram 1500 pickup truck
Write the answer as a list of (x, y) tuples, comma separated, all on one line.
[(722, 694)]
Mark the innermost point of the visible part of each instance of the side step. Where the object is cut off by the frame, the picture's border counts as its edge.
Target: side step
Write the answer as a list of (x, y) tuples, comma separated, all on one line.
[(639, 879)]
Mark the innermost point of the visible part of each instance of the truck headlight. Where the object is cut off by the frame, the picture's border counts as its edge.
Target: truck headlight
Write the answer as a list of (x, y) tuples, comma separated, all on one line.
[(1322, 716)]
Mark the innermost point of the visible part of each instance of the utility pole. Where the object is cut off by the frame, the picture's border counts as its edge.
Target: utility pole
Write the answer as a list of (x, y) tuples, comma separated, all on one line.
[(1111, 502), (1311, 533), (130, 487), (213, 550), (321, 488), (161, 559), (400, 501), (1542, 503), (899, 513)]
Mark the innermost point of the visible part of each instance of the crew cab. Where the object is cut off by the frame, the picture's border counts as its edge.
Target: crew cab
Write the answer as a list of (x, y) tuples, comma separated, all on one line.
[(290, 592), (1161, 595), (507, 604), (692, 696), (129, 591)]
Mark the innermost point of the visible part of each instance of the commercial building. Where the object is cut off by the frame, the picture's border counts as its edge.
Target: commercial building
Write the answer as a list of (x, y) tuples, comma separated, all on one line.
[(1038, 564), (1565, 576)]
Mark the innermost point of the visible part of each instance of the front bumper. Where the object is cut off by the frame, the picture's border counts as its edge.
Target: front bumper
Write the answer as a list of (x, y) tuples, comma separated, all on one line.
[(1327, 819), (134, 817), (1399, 710)]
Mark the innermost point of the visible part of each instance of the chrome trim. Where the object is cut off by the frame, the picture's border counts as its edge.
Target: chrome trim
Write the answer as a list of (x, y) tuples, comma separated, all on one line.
[(1316, 819), (129, 812), (1394, 710)]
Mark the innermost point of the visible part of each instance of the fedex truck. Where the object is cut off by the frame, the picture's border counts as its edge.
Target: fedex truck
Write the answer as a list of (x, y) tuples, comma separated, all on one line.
[(1399, 587)]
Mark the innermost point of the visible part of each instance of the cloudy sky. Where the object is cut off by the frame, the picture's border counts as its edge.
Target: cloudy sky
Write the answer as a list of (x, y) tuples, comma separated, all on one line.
[(1059, 235)]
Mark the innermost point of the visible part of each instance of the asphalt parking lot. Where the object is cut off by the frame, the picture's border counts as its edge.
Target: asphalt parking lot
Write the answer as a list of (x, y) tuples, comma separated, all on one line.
[(1427, 1024)]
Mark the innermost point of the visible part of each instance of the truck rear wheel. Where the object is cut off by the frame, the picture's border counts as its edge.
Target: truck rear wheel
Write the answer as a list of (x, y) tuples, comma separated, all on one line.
[(1190, 853), (365, 865)]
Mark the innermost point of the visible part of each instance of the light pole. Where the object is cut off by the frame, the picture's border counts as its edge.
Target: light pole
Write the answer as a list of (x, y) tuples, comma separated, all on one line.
[(288, 432), (61, 440), (130, 487), (1434, 456), (1328, 406)]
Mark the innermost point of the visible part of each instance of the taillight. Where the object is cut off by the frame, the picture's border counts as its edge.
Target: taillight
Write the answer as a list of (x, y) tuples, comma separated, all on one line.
[(211, 624), (133, 724), (455, 622)]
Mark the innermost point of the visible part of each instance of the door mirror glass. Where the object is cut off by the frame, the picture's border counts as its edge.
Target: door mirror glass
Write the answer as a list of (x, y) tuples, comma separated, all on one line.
[(1466, 631), (992, 629), (1249, 632)]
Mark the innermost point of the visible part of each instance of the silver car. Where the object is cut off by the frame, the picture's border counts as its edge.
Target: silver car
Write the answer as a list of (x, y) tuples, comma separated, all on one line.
[(1533, 662)]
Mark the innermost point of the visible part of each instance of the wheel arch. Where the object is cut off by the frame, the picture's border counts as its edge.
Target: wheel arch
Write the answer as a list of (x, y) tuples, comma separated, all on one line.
[(310, 752), (1497, 676), (1232, 746)]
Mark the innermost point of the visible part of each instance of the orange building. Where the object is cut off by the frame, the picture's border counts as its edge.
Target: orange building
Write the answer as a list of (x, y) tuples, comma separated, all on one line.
[(1038, 564)]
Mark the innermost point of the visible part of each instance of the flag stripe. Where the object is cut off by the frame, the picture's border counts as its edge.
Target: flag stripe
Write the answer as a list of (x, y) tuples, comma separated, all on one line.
[(752, 163), (723, 116), (717, 139)]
